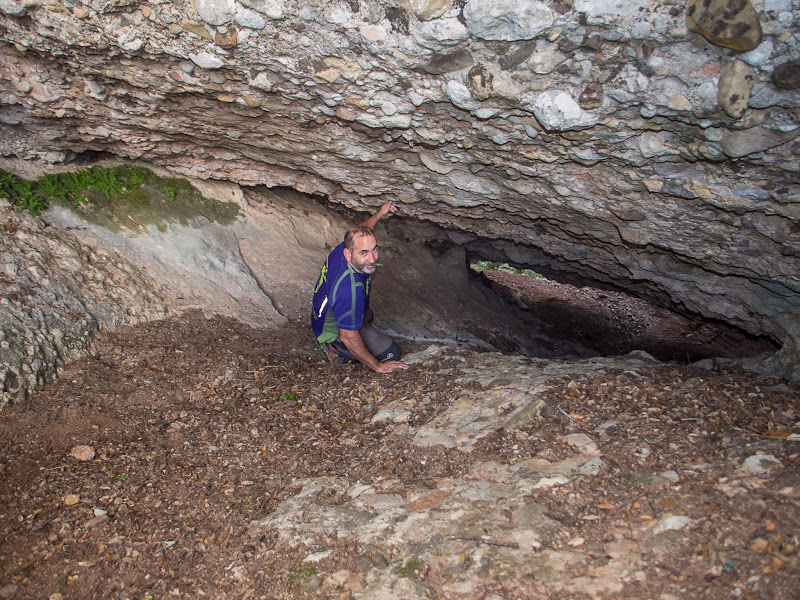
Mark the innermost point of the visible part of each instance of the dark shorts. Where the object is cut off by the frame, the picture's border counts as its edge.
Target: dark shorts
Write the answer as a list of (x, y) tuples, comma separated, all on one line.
[(382, 346)]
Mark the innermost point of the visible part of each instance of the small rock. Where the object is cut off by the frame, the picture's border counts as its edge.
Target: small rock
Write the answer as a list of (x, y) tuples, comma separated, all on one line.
[(735, 84), (787, 75), (581, 442), (608, 428), (440, 64), (206, 60), (427, 436), (249, 18), (728, 23), (7, 591), (557, 111), (546, 482), (227, 40), (486, 81), (71, 499), (460, 95), (577, 541), (738, 143), (82, 453), (679, 102), (196, 28), (507, 20), (592, 466), (671, 523), (215, 12), (758, 464), (592, 96)]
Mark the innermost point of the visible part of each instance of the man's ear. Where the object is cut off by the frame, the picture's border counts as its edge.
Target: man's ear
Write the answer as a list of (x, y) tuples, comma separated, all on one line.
[(347, 255)]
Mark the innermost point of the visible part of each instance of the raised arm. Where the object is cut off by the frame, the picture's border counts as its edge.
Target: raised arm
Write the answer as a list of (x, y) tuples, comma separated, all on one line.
[(387, 207)]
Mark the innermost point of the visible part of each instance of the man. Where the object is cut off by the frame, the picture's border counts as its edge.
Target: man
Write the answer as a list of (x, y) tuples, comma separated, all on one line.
[(341, 312)]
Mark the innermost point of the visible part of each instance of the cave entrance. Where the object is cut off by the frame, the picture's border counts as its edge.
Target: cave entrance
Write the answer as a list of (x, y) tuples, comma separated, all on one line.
[(611, 323)]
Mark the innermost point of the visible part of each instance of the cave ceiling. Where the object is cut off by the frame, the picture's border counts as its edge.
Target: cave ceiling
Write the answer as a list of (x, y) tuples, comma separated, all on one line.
[(652, 146)]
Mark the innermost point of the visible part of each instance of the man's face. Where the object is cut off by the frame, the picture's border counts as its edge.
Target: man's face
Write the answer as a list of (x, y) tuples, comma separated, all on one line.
[(364, 256)]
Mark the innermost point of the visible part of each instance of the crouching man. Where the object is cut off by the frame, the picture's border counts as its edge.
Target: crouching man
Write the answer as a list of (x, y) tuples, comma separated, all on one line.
[(341, 317)]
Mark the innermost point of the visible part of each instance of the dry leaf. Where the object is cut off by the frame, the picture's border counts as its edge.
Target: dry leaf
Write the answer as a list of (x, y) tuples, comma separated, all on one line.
[(759, 545), (781, 433), (770, 526), (777, 563), (606, 506)]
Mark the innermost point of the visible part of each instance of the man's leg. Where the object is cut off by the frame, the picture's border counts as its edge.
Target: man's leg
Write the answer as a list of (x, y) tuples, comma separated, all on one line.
[(382, 346)]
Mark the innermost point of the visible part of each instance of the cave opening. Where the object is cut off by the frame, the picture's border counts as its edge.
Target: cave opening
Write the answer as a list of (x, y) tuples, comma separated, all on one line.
[(552, 312), (610, 322)]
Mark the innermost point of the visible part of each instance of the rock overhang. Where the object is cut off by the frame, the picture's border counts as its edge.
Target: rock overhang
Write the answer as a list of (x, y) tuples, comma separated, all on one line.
[(601, 140)]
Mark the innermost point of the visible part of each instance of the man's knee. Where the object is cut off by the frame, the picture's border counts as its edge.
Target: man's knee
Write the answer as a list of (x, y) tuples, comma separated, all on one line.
[(393, 352)]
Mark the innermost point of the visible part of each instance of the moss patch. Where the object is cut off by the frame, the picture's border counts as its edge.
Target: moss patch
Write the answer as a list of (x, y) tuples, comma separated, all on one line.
[(122, 197)]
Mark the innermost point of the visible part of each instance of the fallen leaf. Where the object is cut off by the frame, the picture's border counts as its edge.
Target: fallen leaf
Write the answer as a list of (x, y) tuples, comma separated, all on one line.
[(606, 506), (780, 433), (759, 545)]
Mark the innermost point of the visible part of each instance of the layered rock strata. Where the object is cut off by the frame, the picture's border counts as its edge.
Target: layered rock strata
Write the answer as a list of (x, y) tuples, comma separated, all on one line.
[(649, 146)]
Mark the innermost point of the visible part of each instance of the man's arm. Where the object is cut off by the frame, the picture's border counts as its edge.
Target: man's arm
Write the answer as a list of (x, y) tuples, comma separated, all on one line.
[(387, 207), (355, 344)]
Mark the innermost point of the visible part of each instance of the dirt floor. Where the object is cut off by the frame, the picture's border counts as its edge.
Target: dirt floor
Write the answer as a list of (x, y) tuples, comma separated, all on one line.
[(159, 511)]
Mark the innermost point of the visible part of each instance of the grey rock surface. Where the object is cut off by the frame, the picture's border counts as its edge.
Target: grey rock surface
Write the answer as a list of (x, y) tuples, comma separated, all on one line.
[(604, 107), (56, 293)]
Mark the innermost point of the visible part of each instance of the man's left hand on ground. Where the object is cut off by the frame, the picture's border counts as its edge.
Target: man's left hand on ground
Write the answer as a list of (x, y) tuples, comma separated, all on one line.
[(391, 365)]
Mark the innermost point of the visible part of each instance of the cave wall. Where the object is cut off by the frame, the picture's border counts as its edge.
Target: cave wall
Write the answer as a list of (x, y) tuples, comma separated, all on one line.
[(651, 145)]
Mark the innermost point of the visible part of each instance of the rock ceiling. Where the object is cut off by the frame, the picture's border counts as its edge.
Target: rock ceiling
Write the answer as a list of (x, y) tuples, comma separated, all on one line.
[(646, 145)]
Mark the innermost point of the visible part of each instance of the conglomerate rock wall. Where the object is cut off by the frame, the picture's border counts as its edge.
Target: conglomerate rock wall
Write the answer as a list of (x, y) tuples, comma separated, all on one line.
[(649, 145)]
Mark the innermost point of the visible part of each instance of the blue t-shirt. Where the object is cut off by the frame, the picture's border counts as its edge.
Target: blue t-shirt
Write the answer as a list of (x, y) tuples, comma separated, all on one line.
[(341, 297)]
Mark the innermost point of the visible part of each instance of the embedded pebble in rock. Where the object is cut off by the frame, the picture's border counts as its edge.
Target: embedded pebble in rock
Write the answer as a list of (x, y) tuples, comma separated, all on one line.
[(507, 20), (735, 84), (729, 23), (787, 75), (485, 82), (206, 60), (215, 12), (592, 96), (558, 111)]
